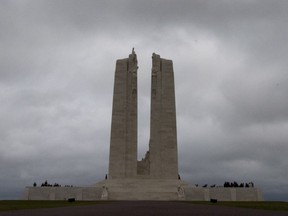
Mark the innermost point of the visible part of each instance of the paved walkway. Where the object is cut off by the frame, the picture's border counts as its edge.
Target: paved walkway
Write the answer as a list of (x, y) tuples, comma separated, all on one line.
[(144, 208)]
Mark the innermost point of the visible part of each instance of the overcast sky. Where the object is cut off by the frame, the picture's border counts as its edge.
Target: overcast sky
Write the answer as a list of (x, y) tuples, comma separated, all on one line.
[(57, 65)]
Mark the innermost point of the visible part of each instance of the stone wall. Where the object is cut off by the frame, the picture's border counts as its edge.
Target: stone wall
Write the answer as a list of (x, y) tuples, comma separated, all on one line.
[(223, 194), (143, 189), (143, 166), (63, 193)]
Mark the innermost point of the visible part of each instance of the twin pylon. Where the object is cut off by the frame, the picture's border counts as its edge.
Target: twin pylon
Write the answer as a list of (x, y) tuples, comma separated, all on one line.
[(161, 160)]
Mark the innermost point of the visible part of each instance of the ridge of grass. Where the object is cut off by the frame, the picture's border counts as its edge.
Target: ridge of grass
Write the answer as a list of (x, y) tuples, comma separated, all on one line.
[(8, 205), (264, 205)]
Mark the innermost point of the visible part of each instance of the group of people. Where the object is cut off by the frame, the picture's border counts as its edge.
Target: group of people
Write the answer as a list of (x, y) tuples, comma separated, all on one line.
[(231, 184), (235, 184), (46, 184)]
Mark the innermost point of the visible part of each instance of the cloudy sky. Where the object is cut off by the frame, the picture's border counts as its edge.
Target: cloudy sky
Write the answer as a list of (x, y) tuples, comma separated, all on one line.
[(57, 64)]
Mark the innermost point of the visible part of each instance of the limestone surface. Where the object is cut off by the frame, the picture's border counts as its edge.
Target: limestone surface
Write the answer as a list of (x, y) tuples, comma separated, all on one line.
[(123, 142), (161, 160)]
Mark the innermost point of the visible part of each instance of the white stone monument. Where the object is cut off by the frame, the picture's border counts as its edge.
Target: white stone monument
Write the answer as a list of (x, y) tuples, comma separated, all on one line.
[(156, 176)]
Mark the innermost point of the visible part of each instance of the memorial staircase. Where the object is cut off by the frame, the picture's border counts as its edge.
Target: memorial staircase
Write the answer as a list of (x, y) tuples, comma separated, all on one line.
[(143, 189)]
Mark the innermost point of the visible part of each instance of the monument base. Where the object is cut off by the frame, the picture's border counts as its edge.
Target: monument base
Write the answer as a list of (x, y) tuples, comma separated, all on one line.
[(62, 193), (143, 189), (223, 194)]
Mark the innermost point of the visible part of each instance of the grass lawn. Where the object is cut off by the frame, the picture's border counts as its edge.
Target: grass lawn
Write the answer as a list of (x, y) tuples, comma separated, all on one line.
[(7, 205), (273, 206)]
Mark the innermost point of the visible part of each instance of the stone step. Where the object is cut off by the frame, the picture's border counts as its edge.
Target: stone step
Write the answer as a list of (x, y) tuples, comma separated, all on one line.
[(143, 196), (142, 189)]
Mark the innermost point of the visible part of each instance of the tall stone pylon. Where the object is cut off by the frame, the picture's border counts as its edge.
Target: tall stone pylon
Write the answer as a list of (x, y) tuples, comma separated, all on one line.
[(161, 160), (123, 143), (163, 131)]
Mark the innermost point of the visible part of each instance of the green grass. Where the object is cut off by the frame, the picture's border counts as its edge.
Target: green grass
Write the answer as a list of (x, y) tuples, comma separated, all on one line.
[(273, 206), (7, 205)]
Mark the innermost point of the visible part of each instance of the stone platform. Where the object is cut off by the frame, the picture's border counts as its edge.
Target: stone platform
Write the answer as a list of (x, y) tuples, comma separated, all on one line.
[(223, 194), (143, 189), (62, 193)]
